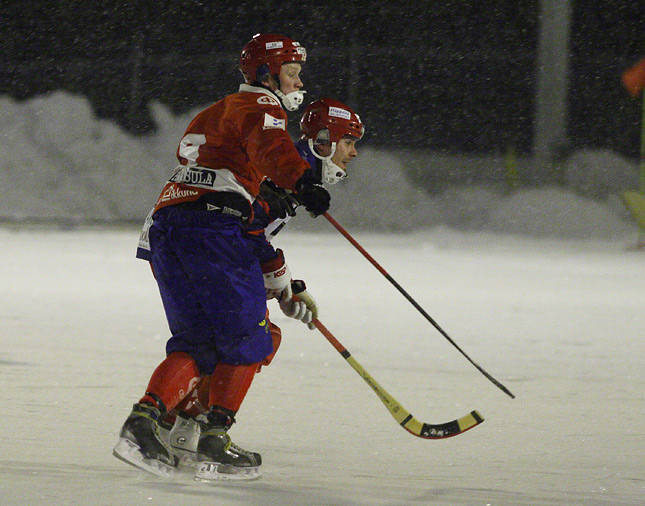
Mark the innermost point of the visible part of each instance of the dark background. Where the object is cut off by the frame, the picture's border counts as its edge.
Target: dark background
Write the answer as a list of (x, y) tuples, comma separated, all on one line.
[(454, 76)]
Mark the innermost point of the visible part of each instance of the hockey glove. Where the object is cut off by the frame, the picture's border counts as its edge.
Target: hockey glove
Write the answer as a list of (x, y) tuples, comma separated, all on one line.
[(301, 306), (281, 203), (277, 278), (312, 194)]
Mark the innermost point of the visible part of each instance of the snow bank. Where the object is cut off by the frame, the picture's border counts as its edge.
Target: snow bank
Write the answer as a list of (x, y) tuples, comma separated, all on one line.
[(58, 161)]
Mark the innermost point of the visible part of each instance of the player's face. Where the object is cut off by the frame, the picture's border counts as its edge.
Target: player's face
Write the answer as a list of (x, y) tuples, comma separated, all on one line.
[(345, 152), (290, 77)]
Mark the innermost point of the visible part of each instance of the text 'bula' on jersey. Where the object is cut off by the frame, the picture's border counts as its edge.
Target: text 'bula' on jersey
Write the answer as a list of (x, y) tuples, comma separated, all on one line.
[(194, 176)]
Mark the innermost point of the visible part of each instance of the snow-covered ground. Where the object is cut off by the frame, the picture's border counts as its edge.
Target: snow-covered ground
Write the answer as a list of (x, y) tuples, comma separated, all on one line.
[(559, 322), (59, 162)]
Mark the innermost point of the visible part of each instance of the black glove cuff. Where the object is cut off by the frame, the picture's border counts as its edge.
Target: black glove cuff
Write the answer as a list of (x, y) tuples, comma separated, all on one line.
[(298, 286)]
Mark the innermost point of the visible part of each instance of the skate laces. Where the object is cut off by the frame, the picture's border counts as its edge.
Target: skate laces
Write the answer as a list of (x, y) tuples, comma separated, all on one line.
[(240, 450), (220, 434)]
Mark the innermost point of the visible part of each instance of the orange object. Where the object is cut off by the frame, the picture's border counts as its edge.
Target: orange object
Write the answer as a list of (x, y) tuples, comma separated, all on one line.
[(276, 337), (634, 78)]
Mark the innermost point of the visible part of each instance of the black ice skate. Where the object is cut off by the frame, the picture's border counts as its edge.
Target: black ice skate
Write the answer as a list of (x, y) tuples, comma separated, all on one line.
[(218, 458), (141, 445)]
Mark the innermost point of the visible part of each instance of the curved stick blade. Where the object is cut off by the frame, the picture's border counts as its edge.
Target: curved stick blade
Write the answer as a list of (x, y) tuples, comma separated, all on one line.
[(443, 430), (398, 412)]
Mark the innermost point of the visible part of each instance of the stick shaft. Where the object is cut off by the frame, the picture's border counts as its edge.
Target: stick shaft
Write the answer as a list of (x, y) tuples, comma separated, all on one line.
[(410, 299)]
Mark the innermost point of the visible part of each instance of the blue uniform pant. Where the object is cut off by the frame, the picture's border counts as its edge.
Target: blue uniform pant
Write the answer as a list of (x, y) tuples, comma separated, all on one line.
[(211, 286)]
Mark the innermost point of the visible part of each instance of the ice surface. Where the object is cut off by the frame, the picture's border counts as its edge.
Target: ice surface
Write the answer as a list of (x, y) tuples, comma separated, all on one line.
[(558, 322)]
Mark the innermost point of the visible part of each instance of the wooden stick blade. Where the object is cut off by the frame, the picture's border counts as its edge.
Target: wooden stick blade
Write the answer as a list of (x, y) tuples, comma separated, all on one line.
[(443, 430)]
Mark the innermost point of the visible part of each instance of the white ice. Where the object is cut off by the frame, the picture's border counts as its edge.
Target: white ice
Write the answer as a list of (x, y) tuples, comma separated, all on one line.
[(559, 322)]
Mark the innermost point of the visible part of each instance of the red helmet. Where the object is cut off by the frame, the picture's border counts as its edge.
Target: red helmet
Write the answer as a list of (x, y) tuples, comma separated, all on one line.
[(270, 50), (333, 116)]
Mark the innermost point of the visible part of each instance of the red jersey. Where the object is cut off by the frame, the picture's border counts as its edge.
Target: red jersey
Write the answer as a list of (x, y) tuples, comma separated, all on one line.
[(232, 146)]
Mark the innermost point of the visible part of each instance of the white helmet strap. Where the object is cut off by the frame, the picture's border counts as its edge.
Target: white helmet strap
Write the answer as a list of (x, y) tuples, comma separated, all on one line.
[(331, 173), (291, 101)]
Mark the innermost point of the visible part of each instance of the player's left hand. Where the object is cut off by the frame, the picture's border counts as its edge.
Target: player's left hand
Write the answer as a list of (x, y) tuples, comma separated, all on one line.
[(301, 305)]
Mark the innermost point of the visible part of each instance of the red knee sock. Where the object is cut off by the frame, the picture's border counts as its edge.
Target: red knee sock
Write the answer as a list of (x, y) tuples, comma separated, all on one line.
[(173, 379), (229, 384), (196, 402)]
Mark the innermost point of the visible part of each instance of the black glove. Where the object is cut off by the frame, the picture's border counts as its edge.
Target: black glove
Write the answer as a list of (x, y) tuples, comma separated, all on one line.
[(312, 194), (281, 202)]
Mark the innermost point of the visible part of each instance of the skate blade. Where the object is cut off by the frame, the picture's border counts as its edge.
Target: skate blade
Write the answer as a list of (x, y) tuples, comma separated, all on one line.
[(213, 471), (130, 453)]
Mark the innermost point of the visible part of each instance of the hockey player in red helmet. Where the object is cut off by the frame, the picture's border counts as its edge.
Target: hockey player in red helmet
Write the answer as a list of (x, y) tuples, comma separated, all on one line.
[(264, 60), (331, 130), (213, 284), (329, 133)]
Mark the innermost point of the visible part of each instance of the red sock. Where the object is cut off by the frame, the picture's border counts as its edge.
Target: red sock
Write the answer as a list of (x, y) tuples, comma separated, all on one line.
[(173, 379), (203, 394), (196, 402), (229, 384)]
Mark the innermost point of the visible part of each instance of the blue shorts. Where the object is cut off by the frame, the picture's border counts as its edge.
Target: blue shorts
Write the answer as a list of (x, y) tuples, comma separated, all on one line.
[(211, 286)]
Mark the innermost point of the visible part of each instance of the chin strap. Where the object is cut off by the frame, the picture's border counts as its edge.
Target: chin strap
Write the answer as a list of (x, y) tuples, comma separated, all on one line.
[(291, 101), (331, 173)]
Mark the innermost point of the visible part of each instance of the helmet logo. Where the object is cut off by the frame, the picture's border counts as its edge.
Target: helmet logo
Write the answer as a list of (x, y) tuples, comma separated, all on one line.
[(339, 113), (274, 45)]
